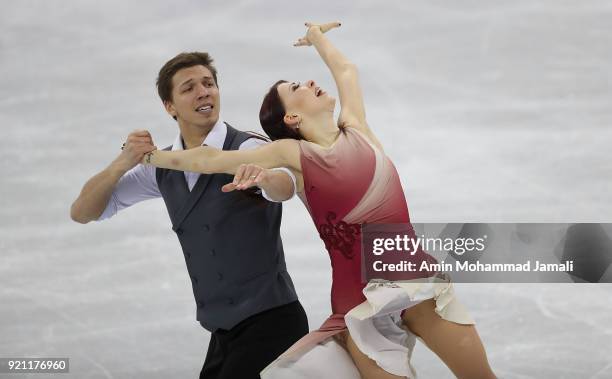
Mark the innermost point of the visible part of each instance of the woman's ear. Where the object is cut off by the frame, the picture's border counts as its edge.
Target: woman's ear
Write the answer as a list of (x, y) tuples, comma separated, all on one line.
[(292, 120)]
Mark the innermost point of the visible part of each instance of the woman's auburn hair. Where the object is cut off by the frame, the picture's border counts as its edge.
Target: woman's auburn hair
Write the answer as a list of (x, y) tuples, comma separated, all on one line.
[(272, 114)]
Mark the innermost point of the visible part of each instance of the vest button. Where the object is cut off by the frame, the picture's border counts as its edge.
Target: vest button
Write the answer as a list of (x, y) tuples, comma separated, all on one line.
[(220, 276), (206, 228), (188, 254), (179, 231), (230, 301), (200, 304), (194, 279), (213, 252)]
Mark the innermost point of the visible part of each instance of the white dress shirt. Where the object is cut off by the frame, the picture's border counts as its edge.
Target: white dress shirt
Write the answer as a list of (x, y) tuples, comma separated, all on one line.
[(140, 183)]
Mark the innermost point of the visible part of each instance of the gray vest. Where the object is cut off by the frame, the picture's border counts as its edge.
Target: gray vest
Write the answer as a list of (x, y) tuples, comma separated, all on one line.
[(231, 243)]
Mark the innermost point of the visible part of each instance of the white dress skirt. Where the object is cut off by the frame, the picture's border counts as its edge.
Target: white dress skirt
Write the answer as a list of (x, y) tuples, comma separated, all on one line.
[(376, 327)]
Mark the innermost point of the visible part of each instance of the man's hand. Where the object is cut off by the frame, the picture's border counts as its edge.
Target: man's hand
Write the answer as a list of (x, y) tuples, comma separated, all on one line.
[(138, 143), (247, 176)]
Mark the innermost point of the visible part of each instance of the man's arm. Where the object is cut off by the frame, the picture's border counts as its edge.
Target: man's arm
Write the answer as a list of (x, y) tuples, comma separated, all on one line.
[(278, 184), (96, 193)]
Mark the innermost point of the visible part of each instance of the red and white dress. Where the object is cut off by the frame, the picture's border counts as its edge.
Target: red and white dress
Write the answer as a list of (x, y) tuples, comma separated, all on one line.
[(346, 185)]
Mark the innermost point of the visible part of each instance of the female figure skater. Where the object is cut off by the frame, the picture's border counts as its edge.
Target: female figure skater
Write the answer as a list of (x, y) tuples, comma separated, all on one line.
[(345, 180)]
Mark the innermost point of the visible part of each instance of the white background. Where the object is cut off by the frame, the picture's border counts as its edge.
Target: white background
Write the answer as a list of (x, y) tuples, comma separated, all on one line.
[(492, 111)]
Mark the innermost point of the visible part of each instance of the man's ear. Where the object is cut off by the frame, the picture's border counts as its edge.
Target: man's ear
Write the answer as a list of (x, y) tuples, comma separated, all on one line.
[(170, 109), (292, 120)]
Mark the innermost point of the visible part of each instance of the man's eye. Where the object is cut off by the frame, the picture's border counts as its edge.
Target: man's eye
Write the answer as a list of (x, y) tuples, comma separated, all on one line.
[(209, 84), (295, 86), (187, 89)]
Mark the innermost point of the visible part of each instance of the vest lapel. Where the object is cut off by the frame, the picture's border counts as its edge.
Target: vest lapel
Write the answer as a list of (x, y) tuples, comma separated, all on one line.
[(181, 188), (200, 185)]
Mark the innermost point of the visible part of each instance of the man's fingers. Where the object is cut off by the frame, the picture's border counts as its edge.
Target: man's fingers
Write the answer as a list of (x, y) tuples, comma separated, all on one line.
[(143, 149), (239, 173), (246, 177), (229, 187), (250, 170), (137, 145), (140, 133), (250, 174), (140, 139), (248, 183), (259, 177)]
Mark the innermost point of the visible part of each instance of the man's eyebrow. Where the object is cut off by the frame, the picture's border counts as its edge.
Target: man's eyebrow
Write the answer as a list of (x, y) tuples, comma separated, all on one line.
[(189, 80), (185, 82)]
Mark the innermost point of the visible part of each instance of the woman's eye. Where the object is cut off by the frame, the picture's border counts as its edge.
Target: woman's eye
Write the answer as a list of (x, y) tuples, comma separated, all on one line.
[(296, 86), (187, 89)]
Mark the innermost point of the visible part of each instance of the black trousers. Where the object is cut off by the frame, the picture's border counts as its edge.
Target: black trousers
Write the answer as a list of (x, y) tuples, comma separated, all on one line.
[(246, 349)]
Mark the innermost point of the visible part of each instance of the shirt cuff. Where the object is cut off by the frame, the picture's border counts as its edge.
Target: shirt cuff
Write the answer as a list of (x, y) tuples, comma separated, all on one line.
[(265, 195)]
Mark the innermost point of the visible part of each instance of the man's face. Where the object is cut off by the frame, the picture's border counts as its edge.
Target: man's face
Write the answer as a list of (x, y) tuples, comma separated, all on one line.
[(195, 97)]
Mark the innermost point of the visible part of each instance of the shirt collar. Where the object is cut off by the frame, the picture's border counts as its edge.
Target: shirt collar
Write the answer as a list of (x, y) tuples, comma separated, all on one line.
[(215, 138)]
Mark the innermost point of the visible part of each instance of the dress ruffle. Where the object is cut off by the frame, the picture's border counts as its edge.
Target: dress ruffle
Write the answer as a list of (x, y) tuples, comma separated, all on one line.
[(377, 329), (376, 325)]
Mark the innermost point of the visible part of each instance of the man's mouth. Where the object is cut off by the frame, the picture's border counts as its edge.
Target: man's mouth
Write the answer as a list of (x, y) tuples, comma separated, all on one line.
[(204, 109), (319, 92)]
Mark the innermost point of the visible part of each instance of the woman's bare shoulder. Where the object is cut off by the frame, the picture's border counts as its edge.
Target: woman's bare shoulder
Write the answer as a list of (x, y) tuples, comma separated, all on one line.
[(289, 149)]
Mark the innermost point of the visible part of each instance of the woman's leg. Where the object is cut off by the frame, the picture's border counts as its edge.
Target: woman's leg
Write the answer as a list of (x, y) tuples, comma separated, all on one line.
[(366, 366), (458, 345)]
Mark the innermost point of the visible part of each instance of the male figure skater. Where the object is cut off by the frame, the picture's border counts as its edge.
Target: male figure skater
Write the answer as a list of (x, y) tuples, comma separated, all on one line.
[(230, 240)]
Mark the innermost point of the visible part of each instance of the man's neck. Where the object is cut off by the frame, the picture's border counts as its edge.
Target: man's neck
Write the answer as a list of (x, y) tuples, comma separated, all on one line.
[(194, 135)]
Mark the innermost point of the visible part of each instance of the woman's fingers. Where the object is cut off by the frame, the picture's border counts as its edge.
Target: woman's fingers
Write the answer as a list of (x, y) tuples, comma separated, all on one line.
[(329, 26), (324, 27), (302, 42)]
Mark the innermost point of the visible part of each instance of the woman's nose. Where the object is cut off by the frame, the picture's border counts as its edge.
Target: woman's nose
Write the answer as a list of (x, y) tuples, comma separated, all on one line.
[(310, 83)]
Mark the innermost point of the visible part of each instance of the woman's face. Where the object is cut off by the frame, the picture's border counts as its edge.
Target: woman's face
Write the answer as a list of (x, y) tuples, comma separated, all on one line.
[(305, 99)]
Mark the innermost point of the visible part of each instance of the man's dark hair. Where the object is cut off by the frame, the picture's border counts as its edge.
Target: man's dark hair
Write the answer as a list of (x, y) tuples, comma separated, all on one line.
[(183, 60)]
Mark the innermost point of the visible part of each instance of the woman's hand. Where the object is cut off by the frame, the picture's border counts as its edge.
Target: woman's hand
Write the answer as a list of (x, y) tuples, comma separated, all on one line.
[(247, 176), (313, 29)]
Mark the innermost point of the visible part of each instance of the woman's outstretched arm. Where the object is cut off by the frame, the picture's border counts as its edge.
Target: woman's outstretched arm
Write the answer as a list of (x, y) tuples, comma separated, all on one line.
[(209, 160), (352, 109)]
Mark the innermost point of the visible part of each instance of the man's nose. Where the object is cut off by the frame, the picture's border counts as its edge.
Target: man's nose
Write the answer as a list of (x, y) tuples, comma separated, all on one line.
[(202, 91), (310, 83)]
